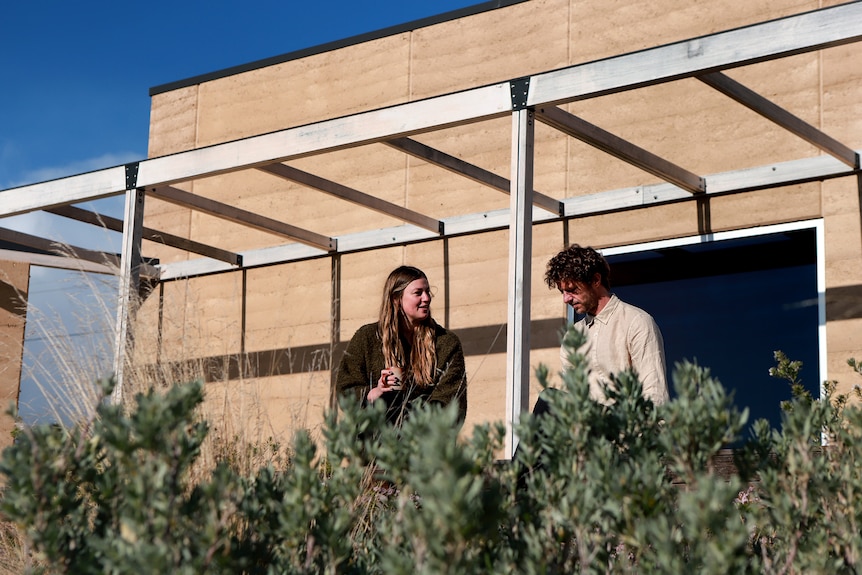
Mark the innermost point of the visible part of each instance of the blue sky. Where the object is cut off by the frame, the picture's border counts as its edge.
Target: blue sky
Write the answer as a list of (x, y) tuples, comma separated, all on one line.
[(75, 97), (76, 75)]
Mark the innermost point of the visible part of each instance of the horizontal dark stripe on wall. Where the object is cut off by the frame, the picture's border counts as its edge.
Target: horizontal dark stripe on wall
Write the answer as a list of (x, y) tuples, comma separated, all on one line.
[(844, 303), (476, 341)]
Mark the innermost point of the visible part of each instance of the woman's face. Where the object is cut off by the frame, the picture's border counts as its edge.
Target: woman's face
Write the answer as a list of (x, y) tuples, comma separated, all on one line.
[(416, 301)]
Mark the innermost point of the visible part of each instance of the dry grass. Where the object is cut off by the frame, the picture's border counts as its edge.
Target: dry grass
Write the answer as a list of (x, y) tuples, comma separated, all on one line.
[(14, 554), (241, 431)]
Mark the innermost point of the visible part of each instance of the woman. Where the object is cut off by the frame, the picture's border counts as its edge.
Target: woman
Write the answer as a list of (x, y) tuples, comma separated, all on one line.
[(405, 358)]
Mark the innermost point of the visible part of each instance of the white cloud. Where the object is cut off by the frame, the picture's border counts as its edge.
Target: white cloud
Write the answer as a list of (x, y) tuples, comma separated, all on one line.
[(33, 223)]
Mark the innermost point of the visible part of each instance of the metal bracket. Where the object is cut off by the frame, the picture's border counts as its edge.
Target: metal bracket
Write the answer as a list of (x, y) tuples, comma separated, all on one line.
[(132, 175), (520, 89)]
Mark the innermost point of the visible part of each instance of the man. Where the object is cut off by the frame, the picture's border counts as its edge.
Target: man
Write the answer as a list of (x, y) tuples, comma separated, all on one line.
[(619, 335)]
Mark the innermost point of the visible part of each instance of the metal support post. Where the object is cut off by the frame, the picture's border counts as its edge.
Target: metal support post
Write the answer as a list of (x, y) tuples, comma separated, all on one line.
[(520, 255), (129, 276)]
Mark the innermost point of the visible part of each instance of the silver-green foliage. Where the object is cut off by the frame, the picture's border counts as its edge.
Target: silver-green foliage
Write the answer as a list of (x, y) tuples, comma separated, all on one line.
[(625, 488)]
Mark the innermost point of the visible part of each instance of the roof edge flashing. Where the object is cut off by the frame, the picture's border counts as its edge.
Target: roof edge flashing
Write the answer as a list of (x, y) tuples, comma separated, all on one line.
[(335, 45)]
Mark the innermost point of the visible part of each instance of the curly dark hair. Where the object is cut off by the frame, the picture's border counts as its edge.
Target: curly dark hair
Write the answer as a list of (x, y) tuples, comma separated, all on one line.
[(579, 264)]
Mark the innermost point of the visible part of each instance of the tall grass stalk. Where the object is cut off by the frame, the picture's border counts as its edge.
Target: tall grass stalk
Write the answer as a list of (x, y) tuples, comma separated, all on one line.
[(76, 349)]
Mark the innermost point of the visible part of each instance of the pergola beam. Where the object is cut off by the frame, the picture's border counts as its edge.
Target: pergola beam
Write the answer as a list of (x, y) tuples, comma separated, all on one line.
[(775, 113), (240, 216), (355, 196), (56, 262), (620, 148), (116, 225), (767, 176), (58, 248), (330, 135), (771, 40), (468, 170), (90, 186), (815, 30)]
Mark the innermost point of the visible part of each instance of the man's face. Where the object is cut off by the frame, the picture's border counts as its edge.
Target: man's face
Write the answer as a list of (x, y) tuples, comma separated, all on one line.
[(584, 298)]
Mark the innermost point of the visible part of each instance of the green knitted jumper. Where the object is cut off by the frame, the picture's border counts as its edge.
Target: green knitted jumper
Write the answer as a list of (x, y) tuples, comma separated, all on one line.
[(363, 361)]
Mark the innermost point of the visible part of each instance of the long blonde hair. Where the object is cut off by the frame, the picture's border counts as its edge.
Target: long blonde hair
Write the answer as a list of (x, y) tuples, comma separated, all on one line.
[(422, 341)]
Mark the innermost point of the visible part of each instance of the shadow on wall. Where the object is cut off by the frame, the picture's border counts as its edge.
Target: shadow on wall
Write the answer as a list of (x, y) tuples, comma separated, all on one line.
[(844, 303), (477, 341)]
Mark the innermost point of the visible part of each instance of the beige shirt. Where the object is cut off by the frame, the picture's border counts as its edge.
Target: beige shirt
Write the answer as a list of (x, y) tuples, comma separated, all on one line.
[(619, 337)]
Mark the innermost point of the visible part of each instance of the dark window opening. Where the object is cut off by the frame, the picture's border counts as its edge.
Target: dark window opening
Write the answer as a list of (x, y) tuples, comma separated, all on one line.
[(729, 305)]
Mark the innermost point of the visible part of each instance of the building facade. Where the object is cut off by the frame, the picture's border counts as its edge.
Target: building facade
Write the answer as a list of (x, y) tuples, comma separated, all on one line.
[(646, 170)]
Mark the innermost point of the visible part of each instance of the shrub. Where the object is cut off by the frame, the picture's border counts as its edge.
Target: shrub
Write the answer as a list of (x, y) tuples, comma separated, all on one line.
[(625, 488)]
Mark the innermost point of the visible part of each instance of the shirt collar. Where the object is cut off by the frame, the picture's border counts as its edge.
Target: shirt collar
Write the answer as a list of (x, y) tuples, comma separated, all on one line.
[(603, 316)]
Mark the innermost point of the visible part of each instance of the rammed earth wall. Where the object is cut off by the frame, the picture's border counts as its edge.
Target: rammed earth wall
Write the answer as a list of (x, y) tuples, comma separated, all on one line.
[(275, 323)]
